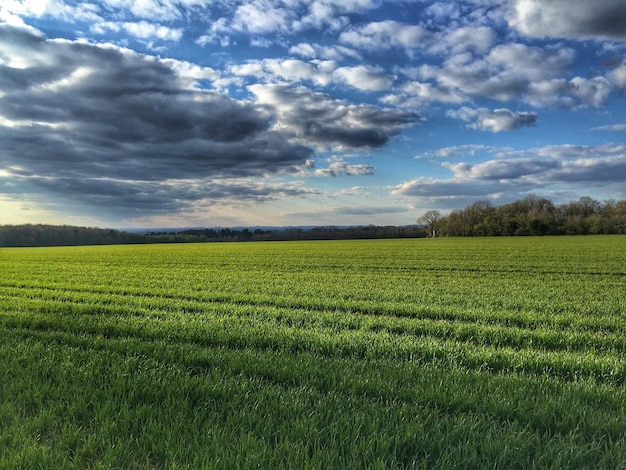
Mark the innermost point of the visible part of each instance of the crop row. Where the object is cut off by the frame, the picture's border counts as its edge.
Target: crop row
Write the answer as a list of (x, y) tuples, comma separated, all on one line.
[(523, 302), (496, 349), (135, 403), (596, 333)]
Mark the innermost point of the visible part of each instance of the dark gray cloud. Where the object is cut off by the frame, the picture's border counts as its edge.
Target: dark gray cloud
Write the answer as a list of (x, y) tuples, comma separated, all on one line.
[(331, 123), (84, 116), (130, 198), (600, 19)]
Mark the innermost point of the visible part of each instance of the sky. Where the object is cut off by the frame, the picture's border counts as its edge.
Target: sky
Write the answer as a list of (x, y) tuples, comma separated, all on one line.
[(203, 113)]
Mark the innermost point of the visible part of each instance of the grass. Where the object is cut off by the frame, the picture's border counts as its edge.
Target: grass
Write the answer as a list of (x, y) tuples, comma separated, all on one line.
[(451, 353)]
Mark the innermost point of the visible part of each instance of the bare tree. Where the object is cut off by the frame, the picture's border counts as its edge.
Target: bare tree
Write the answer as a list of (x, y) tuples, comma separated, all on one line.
[(430, 219)]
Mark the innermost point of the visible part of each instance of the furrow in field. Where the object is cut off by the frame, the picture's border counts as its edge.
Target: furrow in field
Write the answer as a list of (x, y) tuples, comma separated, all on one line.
[(207, 301), (531, 402), (203, 313), (241, 333)]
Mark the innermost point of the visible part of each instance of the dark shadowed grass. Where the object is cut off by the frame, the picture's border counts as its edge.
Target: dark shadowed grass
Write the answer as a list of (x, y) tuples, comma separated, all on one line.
[(385, 354)]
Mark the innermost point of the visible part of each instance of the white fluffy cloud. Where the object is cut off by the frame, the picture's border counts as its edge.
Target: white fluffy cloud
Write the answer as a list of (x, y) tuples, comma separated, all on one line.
[(141, 30), (319, 72), (263, 16), (291, 16), (55, 8), (290, 70), (416, 94), (363, 77), (618, 76), (385, 35)]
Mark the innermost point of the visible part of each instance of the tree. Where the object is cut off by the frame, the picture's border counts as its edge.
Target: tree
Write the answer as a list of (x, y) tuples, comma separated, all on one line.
[(430, 219), (534, 215), (620, 216)]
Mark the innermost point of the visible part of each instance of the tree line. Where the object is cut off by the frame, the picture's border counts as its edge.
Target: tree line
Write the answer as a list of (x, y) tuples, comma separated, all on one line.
[(66, 235), (290, 233), (63, 235), (532, 215)]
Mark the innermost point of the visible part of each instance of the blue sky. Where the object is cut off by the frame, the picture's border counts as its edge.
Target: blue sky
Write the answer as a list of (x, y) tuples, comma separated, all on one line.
[(157, 113)]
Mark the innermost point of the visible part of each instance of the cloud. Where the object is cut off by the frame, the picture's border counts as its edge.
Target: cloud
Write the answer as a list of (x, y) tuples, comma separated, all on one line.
[(339, 167), (385, 35), (157, 10), (335, 212), (370, 210), (497, 120), (511, 174), (317, 51), (353, 191), (415, 94), (546, 165), (318, 119), (130, 198), (87, 12), (330, 14), (594, 91), (447, 192), (141, 30), (468, 38), (468, 150), (364, 77), (319, 72), (291, 70), (569, 151), (288, 17), (611, 128), (262, 17), (84, 118), (618, 76), (514, 72), (278, 80), (574, 19), (92, 12), (506, 169)]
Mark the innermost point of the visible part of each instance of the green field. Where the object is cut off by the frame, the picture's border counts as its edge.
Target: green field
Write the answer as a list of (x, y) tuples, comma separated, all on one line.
[(426, 353)]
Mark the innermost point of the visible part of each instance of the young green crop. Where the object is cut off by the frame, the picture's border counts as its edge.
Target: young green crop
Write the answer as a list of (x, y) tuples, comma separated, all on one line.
[(496, 352)]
